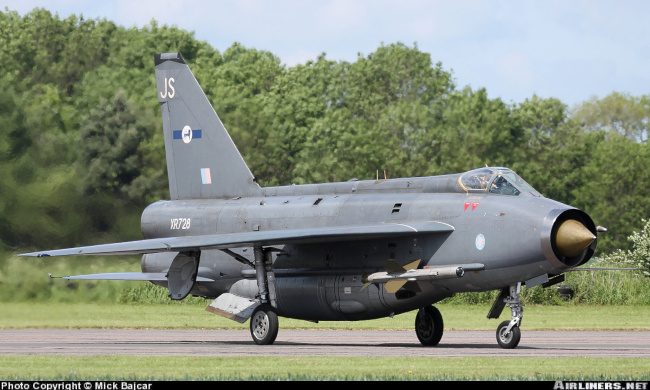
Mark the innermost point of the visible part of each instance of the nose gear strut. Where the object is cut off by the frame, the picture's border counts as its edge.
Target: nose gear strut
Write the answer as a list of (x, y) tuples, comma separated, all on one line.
[(508, 332)]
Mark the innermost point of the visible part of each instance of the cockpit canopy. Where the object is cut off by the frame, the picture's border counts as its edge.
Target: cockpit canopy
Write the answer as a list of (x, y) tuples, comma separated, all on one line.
[(501, 181)]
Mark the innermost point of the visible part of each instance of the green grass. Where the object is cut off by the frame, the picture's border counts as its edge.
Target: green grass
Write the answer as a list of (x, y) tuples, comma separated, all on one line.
[(456, 317), (178, 315), (319, 368)]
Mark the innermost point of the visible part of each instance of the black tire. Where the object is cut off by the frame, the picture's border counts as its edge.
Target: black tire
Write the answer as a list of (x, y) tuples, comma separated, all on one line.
[(264, 325), (429, 326), (509, 340)]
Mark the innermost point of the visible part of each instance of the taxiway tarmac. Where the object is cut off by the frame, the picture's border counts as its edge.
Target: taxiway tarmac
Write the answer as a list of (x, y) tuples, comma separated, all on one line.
[(290, 342)]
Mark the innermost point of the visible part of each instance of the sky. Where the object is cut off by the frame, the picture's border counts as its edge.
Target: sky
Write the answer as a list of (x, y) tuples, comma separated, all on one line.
[(573, 50)]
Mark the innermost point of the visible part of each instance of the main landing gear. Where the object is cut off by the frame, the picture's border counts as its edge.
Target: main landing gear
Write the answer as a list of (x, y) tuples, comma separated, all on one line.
[(264, 325), (264, 322), (429, 326)]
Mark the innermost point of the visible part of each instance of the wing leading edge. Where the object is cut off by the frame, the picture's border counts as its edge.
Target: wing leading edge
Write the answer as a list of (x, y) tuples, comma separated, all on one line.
[(255, 238)]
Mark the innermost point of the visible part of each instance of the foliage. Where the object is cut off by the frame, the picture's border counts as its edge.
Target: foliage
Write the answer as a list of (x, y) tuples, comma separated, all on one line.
[(113, 135), (621, 287), (150, 294), (20, 283), (619, 113), (639, 255), (82, 153)]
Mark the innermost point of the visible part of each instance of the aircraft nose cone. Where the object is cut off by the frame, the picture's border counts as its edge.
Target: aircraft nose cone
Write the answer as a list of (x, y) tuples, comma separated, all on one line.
[(572, 238)]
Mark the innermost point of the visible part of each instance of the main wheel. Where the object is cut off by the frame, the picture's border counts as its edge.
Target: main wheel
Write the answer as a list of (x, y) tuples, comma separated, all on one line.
[(429, 326), (508, 340), (264, 325)]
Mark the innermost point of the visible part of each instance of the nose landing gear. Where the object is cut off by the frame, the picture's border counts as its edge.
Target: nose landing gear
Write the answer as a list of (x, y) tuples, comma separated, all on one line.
[(508, 333)]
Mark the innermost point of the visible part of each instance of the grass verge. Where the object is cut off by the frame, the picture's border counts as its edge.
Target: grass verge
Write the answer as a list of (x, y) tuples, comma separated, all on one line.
[(158, 368), (456, 317)]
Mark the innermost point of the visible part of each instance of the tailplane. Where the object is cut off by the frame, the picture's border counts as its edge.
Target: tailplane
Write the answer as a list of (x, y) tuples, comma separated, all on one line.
[(202, 160)]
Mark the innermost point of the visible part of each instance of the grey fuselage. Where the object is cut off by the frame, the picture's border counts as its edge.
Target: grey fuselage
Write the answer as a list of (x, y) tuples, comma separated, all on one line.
[(510, 235)]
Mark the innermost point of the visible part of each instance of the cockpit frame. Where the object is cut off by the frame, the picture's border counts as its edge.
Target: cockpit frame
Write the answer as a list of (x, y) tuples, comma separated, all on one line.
[(495, 180)]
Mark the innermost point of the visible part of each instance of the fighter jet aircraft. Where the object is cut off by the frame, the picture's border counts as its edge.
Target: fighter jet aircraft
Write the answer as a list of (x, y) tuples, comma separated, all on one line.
[(345, 251)]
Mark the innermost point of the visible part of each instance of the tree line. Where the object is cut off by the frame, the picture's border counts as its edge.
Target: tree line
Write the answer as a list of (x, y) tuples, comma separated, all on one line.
[(81, 146)]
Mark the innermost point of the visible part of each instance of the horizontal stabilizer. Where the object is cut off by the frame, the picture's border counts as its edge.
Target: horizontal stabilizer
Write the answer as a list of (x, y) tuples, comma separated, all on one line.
[(159, 276), (254, 238)]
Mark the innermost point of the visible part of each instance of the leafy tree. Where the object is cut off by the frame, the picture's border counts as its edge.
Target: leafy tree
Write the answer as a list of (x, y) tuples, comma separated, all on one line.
[(540, 118), (38, 186), (475, 131), (398, 95), (46, 49), (237, 83), (372, 115), (617, 113), (112, 155), (296, 103), (639, 255), (612, 181), (555, 148)]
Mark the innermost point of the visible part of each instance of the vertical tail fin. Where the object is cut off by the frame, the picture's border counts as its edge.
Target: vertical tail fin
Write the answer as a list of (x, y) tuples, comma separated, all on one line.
[(202, 160)]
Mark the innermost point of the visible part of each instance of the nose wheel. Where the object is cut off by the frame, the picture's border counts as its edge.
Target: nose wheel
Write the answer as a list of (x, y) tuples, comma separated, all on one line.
[(508, 332), (508, 339)]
